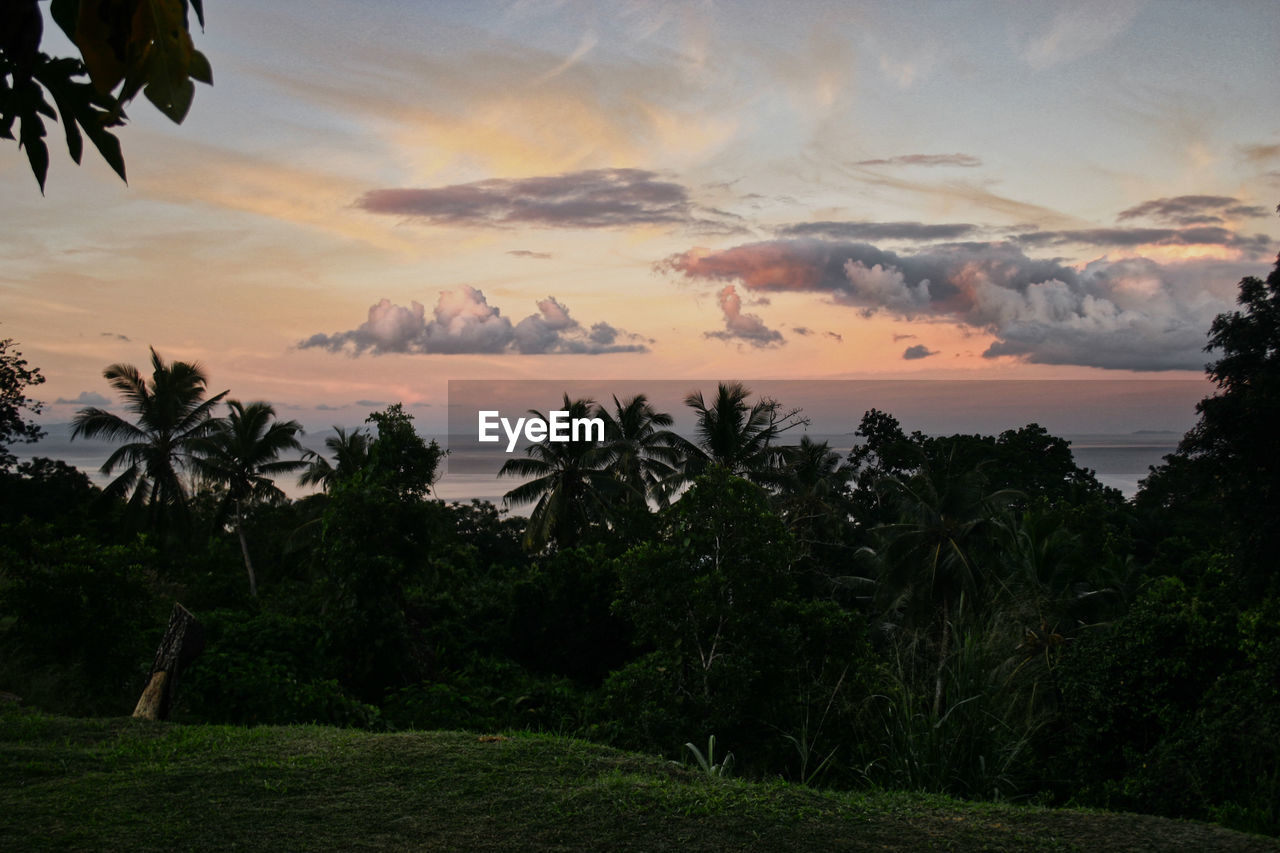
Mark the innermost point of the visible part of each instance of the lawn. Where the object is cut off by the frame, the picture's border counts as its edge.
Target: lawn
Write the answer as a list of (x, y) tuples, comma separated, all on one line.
[(121, 784)]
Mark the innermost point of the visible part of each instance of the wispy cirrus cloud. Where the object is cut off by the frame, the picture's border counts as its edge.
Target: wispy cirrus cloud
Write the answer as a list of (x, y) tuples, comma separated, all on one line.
[(1078, 29), (967, 161), (463, 321), (595, 198), (1127, 314)]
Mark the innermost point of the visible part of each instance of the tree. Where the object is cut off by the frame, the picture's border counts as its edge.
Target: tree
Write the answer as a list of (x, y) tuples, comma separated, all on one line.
[(126, 46), (1232, 454), (740, 438), (570, 488), (350, 453), (242, 453), (15, 378), (398, 457), (644, 454), (173, 417)]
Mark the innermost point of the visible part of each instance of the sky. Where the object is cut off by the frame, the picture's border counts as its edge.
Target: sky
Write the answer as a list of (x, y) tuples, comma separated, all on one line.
[(377, 197)]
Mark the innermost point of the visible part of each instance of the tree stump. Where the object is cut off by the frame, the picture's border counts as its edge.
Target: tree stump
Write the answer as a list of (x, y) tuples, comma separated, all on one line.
[(183, 641)]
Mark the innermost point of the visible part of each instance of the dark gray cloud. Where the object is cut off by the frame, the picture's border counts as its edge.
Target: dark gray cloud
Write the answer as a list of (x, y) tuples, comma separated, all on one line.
[(464, 322), (597, 198), (1256, 245), (879, 230), (966, 160), (118, 337), (747, 328), (86, 398), (1127, 314), (525, 253), (372, 404), (836, 336), (918, 351), (1192, 210), (803, 331), (903, 337)]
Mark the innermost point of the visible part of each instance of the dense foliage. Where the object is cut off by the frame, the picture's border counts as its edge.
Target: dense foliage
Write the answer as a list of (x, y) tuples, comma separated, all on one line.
[(968, 614)]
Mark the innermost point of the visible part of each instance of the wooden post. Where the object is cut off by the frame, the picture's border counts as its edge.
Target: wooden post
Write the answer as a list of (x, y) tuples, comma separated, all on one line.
[(183, 641)]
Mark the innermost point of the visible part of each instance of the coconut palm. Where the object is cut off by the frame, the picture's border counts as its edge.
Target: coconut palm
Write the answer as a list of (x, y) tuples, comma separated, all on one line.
[(242, 452), (350, 452), (813, 496), (571, 487), (643, 454), (933, 574), (736, 436), (172, 414)]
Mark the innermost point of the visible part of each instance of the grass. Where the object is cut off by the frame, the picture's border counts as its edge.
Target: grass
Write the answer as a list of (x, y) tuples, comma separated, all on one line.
[(121, 784)]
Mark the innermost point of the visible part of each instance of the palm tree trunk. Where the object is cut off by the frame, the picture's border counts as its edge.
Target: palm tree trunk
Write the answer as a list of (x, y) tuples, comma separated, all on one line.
[(942, 662), (244, 549)]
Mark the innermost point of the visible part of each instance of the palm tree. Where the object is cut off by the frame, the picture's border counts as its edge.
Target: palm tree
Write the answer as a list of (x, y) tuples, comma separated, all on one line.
[(736, 436), (243, 452), (643, 454), (933, 576), (571, 485), (814, 493), (350, 453), (172, 414)]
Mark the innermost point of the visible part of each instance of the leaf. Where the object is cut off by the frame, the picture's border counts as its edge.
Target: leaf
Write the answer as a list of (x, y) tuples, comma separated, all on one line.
[(105, 32), (75, 142), (171, 99), (31, 137), (168, 85), (66, 13), (198, 5), (108, 146), (200, 68)]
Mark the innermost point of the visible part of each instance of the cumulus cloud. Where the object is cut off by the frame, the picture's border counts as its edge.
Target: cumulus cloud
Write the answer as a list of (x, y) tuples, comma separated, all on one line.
[(86, 398), (463, 321), (917, 352), (879, 230), (596, 198), (1193, 210), (966, 160), (1126, 314), (748, 328)]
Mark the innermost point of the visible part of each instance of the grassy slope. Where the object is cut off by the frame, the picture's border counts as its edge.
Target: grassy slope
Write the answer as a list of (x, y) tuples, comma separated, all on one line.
[(127, 785)]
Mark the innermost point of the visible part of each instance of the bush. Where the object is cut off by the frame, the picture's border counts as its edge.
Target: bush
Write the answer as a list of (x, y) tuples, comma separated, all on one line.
[(266, 669), (79, 620)]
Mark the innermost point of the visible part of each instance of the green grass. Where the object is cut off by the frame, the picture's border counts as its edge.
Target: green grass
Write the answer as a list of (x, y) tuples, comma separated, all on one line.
[(120, 784)]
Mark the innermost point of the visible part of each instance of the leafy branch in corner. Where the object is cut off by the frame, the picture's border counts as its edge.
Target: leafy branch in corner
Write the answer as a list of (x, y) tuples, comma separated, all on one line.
[(126, 47)]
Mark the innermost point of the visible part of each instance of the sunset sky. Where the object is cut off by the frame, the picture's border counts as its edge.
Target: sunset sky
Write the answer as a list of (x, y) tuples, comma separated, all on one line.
[(377, 197)]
